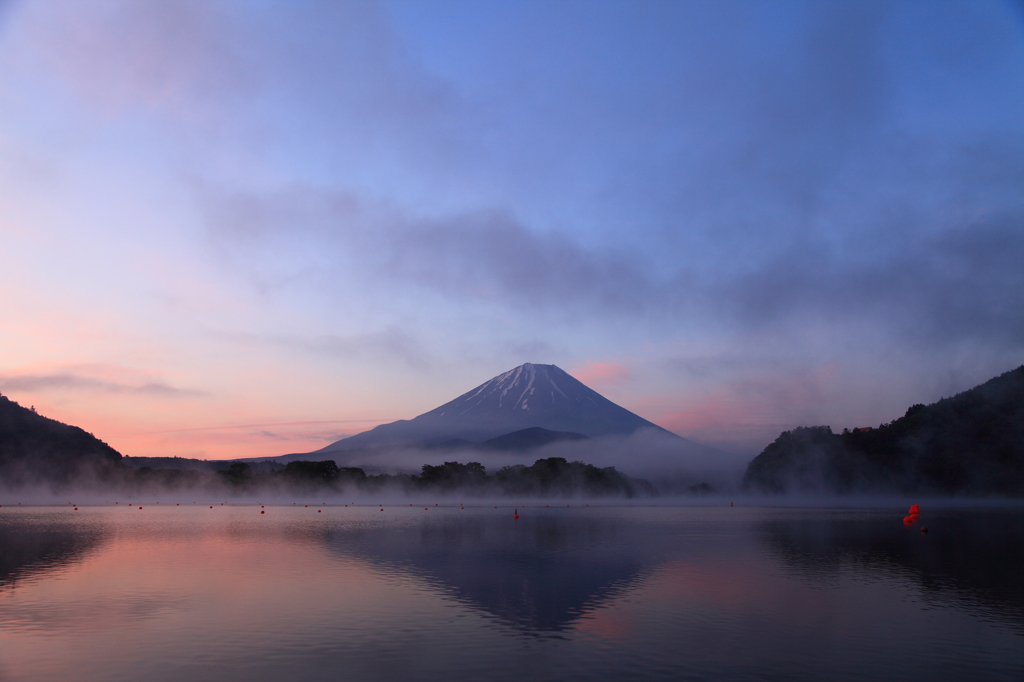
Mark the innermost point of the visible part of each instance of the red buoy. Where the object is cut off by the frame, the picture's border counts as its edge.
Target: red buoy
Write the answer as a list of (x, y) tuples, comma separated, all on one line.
[(262, 512), (320, 510), (907, 521)]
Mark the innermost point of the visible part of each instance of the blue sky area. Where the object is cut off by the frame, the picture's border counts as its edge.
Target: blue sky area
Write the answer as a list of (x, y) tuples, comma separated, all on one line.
[(250, 228)]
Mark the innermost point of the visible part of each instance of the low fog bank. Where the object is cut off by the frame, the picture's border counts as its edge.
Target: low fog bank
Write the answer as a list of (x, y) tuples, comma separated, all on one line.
[(670, 464), (647, 465), (647, 468)]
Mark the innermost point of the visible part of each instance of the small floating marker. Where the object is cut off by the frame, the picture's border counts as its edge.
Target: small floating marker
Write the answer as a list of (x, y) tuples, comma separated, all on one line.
[(262, 512), (307, 505), (140, 507), (435, 504), (76, 508), (907, 521), (114, 503), (177, 504), (320, 510), (566, 505), (211, 506), (424, 509)]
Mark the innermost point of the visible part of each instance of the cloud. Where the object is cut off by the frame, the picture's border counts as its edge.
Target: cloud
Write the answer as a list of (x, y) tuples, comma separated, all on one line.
[(963, 283), (600, 373), (59, 382), (388, 344), (953, 281)]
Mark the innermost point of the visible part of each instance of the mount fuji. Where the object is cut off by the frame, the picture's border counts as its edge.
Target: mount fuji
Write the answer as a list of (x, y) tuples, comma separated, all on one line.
[(529, 396)]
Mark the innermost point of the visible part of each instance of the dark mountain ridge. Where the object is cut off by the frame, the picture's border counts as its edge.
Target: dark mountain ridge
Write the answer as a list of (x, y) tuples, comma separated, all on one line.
[(34, 448), (971, 443)]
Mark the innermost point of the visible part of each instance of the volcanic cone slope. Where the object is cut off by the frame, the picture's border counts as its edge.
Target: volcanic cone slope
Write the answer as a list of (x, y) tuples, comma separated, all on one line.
[(527, 396)]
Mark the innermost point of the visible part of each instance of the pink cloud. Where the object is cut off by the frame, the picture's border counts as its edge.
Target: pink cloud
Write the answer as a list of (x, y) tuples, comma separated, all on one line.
[(600, 373), (750, 413)]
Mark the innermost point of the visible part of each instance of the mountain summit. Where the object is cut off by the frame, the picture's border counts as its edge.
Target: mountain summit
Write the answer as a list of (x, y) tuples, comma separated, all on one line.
[(525, 397)]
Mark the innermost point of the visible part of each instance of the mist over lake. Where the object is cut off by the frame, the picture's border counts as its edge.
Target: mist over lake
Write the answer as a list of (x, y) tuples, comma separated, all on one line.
[(450, 593)]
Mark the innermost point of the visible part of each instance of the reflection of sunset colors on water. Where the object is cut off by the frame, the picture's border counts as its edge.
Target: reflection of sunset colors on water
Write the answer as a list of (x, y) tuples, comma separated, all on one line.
[(188, 593)]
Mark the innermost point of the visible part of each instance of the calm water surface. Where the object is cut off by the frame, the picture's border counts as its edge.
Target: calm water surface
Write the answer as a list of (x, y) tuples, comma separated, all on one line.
[(579, 593)]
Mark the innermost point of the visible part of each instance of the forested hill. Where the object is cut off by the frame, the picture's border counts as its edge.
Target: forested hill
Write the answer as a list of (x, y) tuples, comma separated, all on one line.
[(35, 448), (970, 444)]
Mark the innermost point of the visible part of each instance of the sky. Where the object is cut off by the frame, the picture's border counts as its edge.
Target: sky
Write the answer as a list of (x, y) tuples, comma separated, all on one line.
[(233, 229)]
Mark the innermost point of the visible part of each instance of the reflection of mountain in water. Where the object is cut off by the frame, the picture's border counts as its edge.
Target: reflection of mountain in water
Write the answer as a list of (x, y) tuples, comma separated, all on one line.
[(973, 558), (539, 573), (29, 550)]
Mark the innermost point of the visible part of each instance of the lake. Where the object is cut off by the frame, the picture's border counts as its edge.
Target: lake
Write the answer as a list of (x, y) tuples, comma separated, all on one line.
[(115, 592)]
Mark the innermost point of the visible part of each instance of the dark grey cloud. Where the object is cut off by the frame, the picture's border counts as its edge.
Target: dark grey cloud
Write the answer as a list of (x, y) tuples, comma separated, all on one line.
[(483, 255), (493, 256), (964, 283), (66, 380), (940, 283)]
